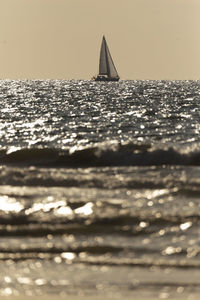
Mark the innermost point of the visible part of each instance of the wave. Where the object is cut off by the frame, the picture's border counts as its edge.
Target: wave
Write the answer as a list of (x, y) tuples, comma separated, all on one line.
[(126, 224), (102, 155)]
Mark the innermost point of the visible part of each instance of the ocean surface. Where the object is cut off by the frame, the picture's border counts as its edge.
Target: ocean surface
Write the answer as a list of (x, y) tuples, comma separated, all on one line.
[(100, 188)]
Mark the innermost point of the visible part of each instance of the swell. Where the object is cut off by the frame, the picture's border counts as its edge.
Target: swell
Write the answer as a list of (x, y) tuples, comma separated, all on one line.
[(127, 224), (97, 156), (99, 260)]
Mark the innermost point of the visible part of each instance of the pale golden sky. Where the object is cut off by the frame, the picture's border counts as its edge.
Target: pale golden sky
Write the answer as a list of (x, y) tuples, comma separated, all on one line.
[(60, 39)]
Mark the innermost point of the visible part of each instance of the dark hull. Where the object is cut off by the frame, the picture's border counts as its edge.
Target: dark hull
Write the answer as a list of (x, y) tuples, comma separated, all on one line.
[(98, 78)]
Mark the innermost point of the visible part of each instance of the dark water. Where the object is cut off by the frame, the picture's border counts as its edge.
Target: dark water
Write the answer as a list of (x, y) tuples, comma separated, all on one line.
[(100, 188)]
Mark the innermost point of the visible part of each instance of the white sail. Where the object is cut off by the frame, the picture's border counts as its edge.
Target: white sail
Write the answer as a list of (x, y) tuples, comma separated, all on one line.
[(106, 65), (112, 69)]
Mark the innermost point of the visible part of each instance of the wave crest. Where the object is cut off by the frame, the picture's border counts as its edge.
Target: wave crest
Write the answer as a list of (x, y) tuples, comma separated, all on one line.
[(109, 155)]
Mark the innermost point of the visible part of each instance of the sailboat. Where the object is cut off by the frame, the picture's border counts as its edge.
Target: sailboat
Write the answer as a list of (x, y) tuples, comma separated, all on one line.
[(107, 70)]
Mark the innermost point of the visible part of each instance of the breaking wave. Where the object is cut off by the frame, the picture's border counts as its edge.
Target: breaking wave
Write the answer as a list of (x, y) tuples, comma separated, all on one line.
[(103, 155)]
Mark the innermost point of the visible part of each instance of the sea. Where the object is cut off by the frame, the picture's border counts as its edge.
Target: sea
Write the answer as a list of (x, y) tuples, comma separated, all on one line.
[(100, 189)]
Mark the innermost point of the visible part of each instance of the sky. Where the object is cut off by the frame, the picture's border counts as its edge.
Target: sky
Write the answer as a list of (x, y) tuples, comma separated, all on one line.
[(60, 39)]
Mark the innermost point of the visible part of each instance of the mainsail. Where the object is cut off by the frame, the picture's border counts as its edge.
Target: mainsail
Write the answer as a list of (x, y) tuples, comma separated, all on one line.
[(106, 64)]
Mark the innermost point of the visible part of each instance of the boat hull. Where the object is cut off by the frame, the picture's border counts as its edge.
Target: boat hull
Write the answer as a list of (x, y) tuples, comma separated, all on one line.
[(99, 78)]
